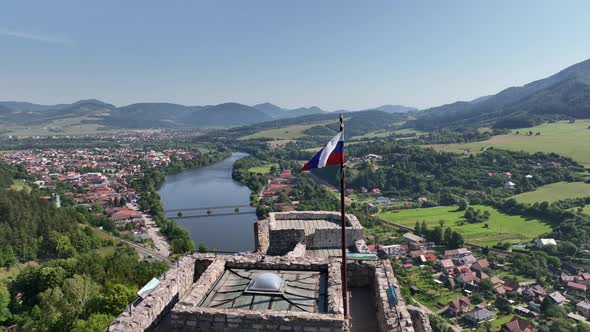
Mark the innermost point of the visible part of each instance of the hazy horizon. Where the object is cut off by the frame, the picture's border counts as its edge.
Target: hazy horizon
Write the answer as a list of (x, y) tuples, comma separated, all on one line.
[(333, 54)]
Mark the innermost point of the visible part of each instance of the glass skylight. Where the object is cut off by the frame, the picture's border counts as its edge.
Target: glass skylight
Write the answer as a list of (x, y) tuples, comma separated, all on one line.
[(266, 282)]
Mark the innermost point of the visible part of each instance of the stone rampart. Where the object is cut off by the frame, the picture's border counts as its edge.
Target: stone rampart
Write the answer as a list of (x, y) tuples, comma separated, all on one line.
[(174, 284)]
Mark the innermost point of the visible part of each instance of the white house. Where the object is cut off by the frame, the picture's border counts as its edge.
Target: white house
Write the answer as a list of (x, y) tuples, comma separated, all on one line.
[(540, 243), (509, 185)]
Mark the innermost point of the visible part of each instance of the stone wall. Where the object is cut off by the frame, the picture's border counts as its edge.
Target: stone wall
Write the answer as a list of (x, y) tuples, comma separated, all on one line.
[(284, 240), (188, 315), (419, 319), (389, 317), (278, 242), (261, 230), (238, 320), (174, 284), (360, 275), (298, 251)]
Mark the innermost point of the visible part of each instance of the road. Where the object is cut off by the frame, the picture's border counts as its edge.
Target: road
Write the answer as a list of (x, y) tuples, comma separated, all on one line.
[(145, 252), (153, 231)]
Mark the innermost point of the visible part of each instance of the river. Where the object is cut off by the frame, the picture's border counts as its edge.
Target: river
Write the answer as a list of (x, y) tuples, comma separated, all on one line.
[(212, 186)]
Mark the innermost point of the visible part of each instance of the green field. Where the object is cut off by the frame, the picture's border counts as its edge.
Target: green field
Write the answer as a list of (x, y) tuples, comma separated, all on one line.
[(264, 169), (384, 133), (570, 140), (20, 185), (502, 227), (285, 133), (69, 126), (555, 192)]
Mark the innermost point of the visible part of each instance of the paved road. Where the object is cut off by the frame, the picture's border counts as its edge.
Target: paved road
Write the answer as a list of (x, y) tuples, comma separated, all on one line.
[(162, 246), (146, 252)]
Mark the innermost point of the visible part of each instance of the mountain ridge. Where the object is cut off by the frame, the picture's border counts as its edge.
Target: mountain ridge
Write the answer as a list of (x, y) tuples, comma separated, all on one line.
[(564, 94)]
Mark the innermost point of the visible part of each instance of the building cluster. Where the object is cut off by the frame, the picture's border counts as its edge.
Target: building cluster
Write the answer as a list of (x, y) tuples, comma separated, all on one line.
[(459, 269), (125, 136), (276, 187), (95, 176)]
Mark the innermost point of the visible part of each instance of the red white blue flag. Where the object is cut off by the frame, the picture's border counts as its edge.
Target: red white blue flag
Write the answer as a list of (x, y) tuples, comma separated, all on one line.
[(331, 154)]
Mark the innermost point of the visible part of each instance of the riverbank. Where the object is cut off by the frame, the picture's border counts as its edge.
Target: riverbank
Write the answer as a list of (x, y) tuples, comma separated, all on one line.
[(150, 202), (207, 197)]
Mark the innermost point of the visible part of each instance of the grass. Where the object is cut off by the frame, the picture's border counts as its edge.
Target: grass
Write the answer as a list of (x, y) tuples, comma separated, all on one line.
[(264, 169), (555, 192), (286, 133), (106, 251), (435, 297), (502, 227), (69, 126), (563, 138), (19, 185), (384, 133), (11, 273)]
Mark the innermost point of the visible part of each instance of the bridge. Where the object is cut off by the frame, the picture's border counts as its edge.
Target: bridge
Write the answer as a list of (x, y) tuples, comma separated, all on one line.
[(207, 208), (212, 215)]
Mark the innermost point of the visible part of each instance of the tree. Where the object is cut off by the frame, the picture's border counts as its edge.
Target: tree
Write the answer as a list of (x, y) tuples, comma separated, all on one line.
[(486, 286), (4, 301), (447, 237), (203, 248), (182, 246), (79, 291), (456, 241), (94, 323), (436, 235), (115, 299), (7, 256), (463, 204)]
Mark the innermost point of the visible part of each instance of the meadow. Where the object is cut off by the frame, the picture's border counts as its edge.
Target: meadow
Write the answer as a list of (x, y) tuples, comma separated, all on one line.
[(501, 227), (61, 127), (567, 139), (285, 133), (264, 169), (554, 192)]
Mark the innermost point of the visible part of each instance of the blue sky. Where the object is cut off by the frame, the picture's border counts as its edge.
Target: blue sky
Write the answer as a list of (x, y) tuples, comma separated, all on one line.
[(333, 54)]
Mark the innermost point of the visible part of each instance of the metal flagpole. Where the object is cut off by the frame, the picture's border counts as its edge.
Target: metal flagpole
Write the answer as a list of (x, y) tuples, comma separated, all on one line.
[(343, 225)]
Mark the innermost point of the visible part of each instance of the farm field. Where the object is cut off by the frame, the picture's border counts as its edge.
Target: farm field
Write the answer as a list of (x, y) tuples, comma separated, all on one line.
[(567, 139), (70, 126), (554, 192), (285, 133), (264, 169), (502, 227)]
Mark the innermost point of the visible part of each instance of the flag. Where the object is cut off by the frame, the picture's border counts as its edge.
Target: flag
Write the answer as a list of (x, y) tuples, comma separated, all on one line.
[(331, 154)]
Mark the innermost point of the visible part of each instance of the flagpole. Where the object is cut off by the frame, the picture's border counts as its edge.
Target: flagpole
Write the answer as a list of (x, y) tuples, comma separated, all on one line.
[(343, 226)]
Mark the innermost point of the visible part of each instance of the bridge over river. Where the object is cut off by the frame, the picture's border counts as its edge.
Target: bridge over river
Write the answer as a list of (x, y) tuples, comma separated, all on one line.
[(207, 199)]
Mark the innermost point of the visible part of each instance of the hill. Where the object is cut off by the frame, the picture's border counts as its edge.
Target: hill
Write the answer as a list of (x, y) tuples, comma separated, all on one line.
[(393, 109), (562, 95), (277, 112)]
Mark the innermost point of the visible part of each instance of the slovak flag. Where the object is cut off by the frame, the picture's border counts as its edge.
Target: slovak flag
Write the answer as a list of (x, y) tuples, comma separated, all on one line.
[(331, 154)]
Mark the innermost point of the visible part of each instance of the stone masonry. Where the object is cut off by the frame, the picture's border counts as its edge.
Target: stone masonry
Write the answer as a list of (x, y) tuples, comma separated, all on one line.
[(282, 231), (179, 297)]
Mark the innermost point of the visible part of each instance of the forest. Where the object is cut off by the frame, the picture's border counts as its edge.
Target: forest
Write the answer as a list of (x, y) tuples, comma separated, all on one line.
[(71, 279)]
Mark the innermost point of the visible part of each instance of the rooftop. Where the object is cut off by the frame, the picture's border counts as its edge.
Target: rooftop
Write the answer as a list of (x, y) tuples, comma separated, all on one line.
[(285, 291)]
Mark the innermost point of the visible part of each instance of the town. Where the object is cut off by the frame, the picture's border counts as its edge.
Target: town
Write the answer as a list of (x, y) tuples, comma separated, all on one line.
[(99, 179)]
